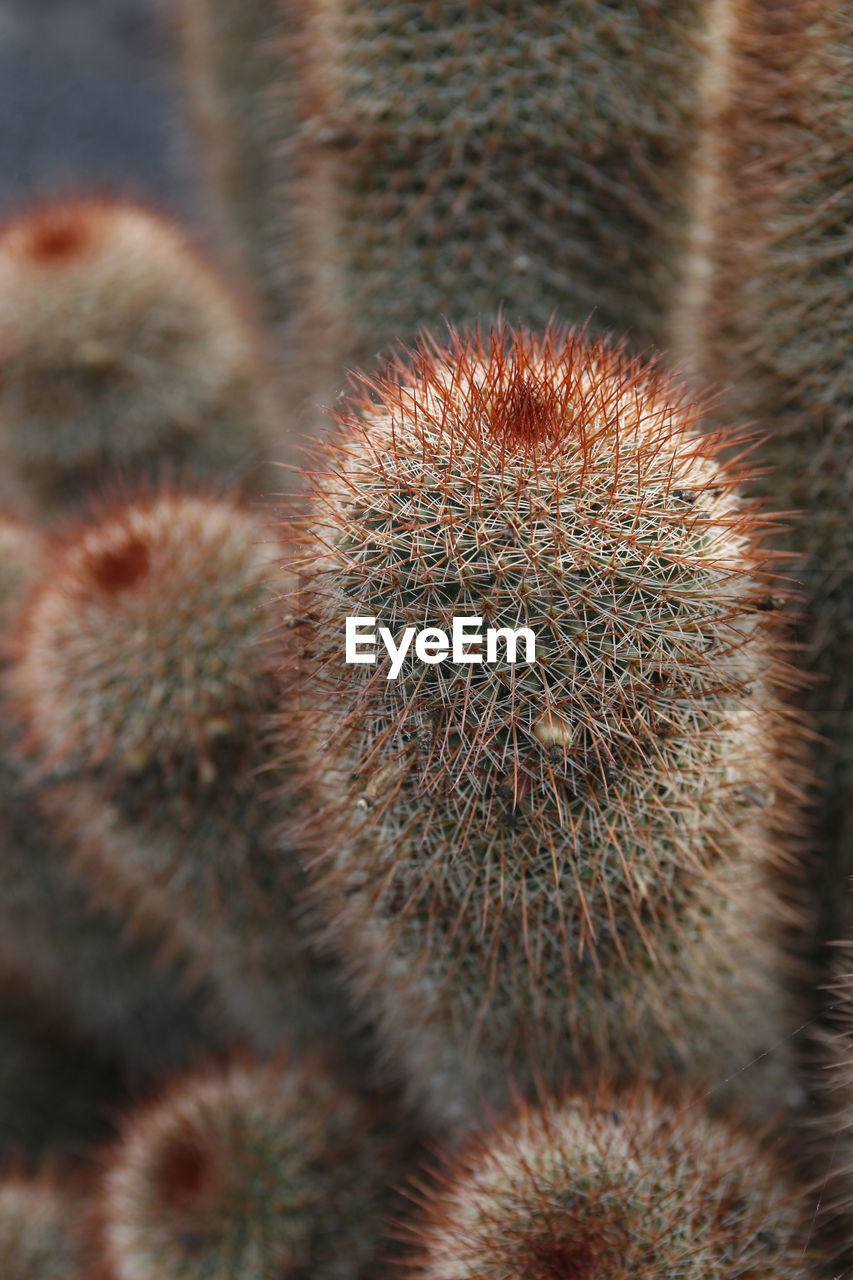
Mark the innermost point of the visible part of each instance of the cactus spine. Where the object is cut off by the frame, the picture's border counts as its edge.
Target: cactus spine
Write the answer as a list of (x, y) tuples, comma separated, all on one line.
[(120, 347), (143, 684), (768, 313), (522, 864), (631, 1189), (258, 1171)]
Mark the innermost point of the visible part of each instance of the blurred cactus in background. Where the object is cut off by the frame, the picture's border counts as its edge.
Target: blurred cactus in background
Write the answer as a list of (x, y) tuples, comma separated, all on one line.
[(270, 922)]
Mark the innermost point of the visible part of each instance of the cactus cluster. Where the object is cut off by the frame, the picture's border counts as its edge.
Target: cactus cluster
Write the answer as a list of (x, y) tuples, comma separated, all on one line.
[(460, 799)]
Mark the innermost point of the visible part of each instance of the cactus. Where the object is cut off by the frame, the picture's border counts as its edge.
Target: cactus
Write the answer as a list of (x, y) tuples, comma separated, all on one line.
[(767, 312), (119, 346), (71, 957), (522, 864), (232, 53), (39, 1237), (257, 1171), (143, 684), (601, 1185), (448, 159)]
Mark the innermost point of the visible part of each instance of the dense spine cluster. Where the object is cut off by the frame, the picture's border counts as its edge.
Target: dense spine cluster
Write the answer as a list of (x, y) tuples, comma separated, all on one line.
[(768, 314), (122, 352), (627, 1188), (255, 1171), (520, 864), (143, 683)]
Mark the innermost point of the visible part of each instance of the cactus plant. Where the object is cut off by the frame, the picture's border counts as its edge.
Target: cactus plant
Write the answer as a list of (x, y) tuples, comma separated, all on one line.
[(767, 313), (119, 346), (520, 863), (232, 59), (39, 1238), (601, 1185), (430, 160), (142, 684), (255, 1171), (69, 956)]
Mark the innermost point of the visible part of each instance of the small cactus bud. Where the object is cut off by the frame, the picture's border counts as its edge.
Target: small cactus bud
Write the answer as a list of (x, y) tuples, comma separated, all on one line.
[(119, 347), (143, 684), (630, 1189), (260, 1171), (562, 854)]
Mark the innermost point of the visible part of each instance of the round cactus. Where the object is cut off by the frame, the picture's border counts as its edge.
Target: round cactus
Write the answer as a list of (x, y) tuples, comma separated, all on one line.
[(629, 1189), (38, 1236), (255, 1172), (119, 346), (517, 857), (142, 684)]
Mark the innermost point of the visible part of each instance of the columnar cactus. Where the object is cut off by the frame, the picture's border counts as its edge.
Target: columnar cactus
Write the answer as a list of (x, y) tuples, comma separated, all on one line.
[(233, 59), (768, 314), (518, 864), (257, 1171), (39, 1237), (452, 159), (630, 1189), (143, 683), (56, 948), (120, 348)]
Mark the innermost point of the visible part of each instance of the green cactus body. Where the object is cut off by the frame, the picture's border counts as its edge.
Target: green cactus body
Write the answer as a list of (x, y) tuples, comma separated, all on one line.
[(768, 315), (119, 346), (627, 1188), (38, 1232), (455, 159), (519, 865), (233, 64), (143, 685), (260, 1171), (68, 956)]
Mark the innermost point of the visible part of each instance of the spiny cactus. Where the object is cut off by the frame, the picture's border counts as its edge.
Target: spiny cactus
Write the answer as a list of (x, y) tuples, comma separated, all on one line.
[(39, 1237), (768, 315), (438, 159), (258, 1171), (630, 1189), (143, 683), (518, 864), (233, 64), (119, 346), (58, 950)]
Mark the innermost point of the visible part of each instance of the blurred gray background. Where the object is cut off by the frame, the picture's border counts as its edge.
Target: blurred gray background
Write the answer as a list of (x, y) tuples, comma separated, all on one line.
[(89, 97)]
